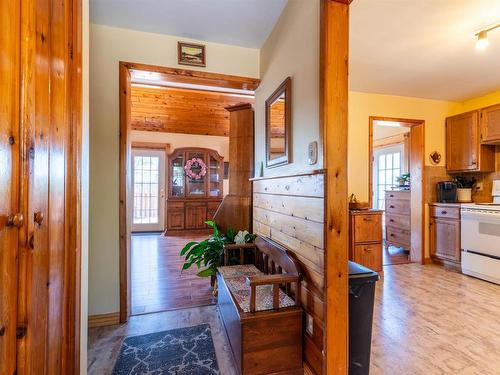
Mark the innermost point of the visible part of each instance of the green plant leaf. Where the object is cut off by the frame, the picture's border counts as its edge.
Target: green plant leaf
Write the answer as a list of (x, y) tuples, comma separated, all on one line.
[(187, 247), (206, 272)]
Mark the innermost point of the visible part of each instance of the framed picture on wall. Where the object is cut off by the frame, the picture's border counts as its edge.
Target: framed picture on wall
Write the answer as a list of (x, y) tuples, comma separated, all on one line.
[(191, 54)]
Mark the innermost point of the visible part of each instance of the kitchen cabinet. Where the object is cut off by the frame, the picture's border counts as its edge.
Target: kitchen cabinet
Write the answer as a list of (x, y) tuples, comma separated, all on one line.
[(444, 233), (490, 124), (464, 151), (193, 198), (366, 238)]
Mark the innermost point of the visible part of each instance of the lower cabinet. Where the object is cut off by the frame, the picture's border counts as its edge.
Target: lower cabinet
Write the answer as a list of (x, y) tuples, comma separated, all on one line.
[(189, 216), (444, 234), (366, 238)]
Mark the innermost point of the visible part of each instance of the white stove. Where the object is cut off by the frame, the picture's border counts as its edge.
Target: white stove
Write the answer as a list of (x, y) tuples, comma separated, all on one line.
[(480, 237)]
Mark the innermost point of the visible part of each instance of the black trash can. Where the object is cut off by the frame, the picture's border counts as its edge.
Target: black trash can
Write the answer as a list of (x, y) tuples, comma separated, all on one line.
[(361, 298)]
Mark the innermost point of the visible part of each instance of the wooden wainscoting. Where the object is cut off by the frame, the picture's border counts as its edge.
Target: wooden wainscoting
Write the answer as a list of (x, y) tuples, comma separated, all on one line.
[(290, 210)]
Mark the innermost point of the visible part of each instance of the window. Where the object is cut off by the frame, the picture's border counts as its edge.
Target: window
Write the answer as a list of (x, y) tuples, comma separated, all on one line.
[(146, 189), (388, 164)]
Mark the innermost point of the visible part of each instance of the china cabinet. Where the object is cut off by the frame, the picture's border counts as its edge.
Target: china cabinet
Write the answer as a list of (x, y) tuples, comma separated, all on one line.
[(195, 188)]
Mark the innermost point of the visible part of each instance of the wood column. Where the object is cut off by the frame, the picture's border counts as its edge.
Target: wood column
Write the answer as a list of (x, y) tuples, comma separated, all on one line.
[(334, 96)]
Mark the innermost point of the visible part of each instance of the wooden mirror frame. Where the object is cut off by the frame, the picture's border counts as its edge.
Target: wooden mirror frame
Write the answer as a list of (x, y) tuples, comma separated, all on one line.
[(285, 87)]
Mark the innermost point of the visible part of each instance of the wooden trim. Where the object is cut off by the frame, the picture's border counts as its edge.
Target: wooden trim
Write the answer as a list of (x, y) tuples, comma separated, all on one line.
[(153, 146), (197, 77), (238, 107), (125, 178), (102, 320), (414, 125), (316, 171), (334, 121)]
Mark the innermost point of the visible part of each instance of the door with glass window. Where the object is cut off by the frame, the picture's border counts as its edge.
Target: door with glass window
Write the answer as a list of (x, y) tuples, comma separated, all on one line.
[(388, 165), (148, 184)]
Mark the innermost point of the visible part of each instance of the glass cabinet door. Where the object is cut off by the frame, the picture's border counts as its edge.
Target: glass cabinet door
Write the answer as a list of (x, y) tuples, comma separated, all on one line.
[(215, 177), (177, 180), (195, 184)]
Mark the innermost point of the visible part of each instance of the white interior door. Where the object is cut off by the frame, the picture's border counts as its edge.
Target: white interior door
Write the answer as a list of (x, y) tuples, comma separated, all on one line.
[(148, 185), (388, 164)]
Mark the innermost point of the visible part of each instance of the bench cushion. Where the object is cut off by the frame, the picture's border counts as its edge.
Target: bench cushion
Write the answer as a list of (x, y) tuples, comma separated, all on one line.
[(235, 278)]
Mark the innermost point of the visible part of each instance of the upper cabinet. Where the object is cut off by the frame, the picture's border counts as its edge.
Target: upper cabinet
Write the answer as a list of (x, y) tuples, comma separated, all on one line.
[(490, 124), (464, 151)]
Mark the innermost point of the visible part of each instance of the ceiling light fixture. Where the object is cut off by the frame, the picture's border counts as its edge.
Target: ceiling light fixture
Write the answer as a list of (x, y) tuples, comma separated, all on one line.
[(482, 36)]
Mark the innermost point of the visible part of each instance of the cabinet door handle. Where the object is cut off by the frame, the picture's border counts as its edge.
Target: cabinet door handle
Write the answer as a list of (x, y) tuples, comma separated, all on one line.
[(367, 219), (368, 249), (391, 220), (474, 162), (444, 212), (16, 220), (391, 195), (391, 206)]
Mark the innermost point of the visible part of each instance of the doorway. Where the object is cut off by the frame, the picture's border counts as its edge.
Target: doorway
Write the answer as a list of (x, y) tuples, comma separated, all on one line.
[(396, 186), (148, 185)]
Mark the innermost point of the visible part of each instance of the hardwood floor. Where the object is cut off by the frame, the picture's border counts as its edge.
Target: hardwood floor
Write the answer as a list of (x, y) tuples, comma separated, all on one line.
[(156, 280), (394, 255), (427, 321)]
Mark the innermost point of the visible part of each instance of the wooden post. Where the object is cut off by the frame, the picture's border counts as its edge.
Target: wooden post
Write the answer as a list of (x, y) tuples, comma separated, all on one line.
[(334, 96)]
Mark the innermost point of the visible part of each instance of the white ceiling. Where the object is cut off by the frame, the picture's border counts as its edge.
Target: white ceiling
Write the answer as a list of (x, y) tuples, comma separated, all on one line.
[(424, 48), (245, 23)]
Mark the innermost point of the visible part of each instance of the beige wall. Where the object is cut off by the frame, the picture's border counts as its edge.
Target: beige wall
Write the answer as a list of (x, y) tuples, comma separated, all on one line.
[(292, 50), (108, 46), (176, 140)]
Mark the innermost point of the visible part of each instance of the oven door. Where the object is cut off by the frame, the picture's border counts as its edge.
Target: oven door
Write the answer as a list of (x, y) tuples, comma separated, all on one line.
[(480, 232)]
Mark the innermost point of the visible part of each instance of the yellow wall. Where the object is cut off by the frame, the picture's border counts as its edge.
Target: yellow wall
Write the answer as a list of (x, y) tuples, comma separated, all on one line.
[(480, 102), (108, 46), (292, 50), (364, 105)]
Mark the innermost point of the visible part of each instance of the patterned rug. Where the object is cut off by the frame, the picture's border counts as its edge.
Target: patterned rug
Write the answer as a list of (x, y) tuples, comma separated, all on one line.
[(177, 352)]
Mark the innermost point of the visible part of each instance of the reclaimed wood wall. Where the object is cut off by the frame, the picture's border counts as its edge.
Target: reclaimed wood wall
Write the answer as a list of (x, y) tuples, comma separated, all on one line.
[(177, 110), (290, 211)]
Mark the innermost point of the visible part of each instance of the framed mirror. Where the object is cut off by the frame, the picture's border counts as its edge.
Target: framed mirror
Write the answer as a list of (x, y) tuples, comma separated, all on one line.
[(279, 125)]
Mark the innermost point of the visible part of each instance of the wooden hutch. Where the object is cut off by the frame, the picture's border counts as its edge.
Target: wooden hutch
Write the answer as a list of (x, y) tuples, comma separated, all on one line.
[(192, 201)]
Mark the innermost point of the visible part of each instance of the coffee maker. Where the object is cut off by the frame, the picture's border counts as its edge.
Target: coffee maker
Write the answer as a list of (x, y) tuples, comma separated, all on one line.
[(446, 192)]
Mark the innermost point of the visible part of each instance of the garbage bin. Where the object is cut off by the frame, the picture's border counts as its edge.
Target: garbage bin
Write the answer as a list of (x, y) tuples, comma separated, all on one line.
[(361, 298)]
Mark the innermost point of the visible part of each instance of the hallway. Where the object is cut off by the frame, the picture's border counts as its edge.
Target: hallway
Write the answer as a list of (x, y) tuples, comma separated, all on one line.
[(156, 280)]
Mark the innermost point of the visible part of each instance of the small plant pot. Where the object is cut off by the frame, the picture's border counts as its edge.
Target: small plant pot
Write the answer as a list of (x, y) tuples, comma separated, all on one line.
[(464, 195)]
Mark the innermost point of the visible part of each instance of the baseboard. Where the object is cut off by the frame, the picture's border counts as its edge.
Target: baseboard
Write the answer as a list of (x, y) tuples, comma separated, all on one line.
[(102, 320), (428, 261)]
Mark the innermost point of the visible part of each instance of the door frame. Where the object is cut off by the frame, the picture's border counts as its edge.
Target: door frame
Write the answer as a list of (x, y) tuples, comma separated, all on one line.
[(125, 177), (157, 146), (417, 162)]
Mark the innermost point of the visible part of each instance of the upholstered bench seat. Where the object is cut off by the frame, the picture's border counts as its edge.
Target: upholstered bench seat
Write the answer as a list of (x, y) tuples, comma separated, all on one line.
[(236, 281)]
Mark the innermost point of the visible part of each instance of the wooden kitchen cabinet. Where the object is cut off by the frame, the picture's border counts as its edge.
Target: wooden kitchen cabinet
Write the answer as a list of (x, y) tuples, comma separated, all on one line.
[(366, 238), (464, 151), (444, 233), (490, 124)]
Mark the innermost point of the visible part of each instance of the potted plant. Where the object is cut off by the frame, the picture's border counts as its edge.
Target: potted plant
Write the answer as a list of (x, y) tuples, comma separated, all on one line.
[(464, 188), (208, 254), (403, 180)]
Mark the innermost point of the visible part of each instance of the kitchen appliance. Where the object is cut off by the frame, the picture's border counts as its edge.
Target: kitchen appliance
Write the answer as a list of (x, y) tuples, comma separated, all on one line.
[(480, 236), (446, 192)]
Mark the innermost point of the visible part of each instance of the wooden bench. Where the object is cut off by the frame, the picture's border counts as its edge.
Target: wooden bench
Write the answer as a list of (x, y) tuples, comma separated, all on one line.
[(259, 304)]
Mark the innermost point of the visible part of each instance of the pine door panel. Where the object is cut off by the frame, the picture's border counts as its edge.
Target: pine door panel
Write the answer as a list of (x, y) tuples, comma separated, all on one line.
[(9, 180)]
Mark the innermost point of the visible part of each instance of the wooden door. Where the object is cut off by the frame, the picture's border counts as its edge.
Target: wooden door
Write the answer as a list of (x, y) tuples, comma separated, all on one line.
[(445, 238), (462, 142), (191, 216), (201, 216), (490, 124), (9, 180)]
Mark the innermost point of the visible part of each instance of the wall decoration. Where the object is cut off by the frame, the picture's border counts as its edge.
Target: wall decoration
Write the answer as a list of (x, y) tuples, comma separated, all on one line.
[(195, 168), (191, 54), (435, 157)]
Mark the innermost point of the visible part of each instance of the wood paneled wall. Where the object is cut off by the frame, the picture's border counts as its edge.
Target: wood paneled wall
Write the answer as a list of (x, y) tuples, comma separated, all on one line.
[(290, 210), (177, 110)]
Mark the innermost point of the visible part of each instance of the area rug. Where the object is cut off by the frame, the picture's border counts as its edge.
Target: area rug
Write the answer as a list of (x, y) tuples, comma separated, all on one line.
[(176, 352)]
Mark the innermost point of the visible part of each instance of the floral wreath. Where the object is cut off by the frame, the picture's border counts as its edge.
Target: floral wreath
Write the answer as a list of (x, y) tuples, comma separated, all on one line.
[(195, 162)]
